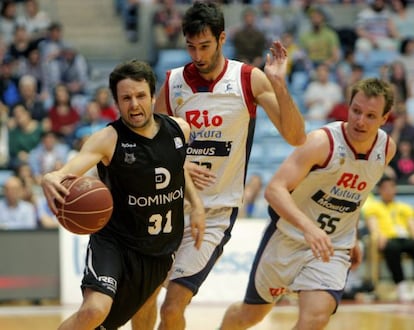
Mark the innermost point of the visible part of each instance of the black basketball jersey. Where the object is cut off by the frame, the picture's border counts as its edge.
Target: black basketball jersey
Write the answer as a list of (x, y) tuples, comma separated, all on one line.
[(146, 178)]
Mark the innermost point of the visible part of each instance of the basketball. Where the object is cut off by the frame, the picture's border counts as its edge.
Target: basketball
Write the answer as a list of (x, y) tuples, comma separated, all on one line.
[(88, 206)]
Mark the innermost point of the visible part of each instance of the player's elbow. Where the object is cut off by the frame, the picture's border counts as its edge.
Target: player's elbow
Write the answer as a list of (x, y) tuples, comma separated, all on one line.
[(271, 193), (296, 138)]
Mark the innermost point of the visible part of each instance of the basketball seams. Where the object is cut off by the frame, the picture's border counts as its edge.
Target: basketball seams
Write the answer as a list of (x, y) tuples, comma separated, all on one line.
[(86, 212), (86, 193)]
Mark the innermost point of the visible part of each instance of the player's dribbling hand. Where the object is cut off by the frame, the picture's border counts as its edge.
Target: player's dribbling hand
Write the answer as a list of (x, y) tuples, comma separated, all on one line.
[(202, 176), (53, 188)]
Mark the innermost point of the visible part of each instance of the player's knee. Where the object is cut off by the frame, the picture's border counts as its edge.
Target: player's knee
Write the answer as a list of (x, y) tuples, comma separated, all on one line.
[(97, 313), (242, 315), (171, 311)]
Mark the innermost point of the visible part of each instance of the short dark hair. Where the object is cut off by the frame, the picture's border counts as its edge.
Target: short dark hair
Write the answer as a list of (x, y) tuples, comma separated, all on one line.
[(385, 178), (135, 70), (201, 16)]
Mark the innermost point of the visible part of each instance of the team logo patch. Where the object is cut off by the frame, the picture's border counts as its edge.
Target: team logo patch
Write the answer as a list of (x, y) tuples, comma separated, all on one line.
[(129, 158), (277, 291), (178, 142)]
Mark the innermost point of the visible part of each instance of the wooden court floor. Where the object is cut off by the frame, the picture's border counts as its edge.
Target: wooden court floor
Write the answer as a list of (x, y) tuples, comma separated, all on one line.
[(350, 316)]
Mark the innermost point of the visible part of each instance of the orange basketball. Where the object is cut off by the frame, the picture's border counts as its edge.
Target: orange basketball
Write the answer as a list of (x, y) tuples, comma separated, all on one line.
[(88, 206)]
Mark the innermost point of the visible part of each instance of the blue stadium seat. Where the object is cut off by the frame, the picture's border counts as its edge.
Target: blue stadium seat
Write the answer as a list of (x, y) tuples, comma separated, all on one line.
[(372, 61), (168, 59)]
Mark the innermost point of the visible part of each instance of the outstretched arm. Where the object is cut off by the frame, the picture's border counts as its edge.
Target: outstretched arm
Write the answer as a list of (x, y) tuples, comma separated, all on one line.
[(272, 94), (99, 147)]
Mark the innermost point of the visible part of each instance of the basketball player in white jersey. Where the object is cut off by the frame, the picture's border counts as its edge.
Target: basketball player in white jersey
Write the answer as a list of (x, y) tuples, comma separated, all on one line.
[(218, 98), (315, 199)]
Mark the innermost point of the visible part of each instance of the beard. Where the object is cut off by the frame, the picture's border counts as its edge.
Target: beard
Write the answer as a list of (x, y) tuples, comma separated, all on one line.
[(213, 62)]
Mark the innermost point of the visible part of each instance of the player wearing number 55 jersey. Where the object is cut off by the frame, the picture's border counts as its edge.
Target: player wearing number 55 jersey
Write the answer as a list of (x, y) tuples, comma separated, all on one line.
[(315, 199)]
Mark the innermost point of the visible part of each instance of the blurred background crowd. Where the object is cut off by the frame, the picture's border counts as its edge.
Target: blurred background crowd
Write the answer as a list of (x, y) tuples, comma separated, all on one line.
[(51, 100)]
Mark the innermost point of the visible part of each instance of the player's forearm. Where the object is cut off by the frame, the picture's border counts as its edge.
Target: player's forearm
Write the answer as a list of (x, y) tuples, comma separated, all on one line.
[(191, 193), (292, 122)]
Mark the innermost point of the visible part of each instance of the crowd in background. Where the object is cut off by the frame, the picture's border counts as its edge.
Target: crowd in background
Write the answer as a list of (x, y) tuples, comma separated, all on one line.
[(48, 107)]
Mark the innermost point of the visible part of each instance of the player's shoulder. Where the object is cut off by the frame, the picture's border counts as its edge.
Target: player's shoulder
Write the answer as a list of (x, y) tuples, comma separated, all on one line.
[(184, 126)]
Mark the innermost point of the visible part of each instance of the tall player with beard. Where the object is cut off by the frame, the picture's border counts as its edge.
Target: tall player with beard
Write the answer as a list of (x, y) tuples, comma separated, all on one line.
[(218, 98), (315, 198)]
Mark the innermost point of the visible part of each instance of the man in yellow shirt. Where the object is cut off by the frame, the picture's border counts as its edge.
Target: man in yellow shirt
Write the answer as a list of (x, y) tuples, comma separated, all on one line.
[(391, 223)]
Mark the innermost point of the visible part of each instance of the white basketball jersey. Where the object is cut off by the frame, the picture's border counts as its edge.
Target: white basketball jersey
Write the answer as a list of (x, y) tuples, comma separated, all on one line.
[(219, 113), (333, 194)]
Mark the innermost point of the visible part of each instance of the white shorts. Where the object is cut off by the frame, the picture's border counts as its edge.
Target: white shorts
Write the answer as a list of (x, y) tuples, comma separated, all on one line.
[(191, 266), (283, 265)]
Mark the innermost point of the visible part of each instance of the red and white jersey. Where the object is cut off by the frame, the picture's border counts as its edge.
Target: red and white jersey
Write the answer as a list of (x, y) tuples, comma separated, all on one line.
[(220, 114), (332, 195)]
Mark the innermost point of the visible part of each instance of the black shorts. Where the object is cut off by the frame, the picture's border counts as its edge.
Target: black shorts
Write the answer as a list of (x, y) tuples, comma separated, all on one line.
[(129, 277)]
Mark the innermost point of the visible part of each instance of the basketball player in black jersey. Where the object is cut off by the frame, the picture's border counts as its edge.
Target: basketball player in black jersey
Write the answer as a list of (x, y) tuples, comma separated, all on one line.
[(140, 157)]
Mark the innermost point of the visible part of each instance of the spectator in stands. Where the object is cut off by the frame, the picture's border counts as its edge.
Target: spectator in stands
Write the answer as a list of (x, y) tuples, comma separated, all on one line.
[(166, 23), (403, 163), (340, 110), (403, 19), (32, 192), (32, 101), (3, 50), (51, 46), (24, 135), (271, 24), (321, 95), (320, 42), (297, 59), (20, 45), (391, 226), (50, 154), (248, 40), (15, 213), (30, 188), (400, 128), (345, 68), (4, 137), (74, 70), (34, 67), (45, 216), (398, 77), (36, 20), (406, 56), (74, 73), (91, 122), (130, 15), (375, 28), (9, 90), (105, 101), (64, 117), (252, 191), (8, 20)]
